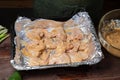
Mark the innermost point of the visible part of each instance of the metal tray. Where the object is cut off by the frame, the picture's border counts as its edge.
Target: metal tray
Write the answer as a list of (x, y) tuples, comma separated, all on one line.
[(96, 57)]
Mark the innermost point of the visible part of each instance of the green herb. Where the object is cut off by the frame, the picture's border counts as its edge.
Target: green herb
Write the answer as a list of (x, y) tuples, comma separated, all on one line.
[(3, 33), (15, 76)]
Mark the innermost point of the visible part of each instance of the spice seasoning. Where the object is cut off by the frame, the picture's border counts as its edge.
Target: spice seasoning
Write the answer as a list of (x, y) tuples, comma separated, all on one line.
[(111, 34), (113, 38)]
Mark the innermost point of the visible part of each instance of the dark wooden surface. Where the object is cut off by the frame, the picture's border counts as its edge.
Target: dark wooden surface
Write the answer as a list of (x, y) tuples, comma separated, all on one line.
[(107, 69), (16, 3)]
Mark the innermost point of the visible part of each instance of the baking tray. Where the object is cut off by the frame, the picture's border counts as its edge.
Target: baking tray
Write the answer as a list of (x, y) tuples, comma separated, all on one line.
[(97, 57)]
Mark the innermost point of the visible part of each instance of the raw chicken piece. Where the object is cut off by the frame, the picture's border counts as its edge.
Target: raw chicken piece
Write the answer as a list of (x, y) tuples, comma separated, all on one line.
[(74, 34), (87, 51), (45, 55), (63, 58), (25, 52), (76, 44), (75, 57), (34, 61), (35, 34), (37, 62), (69, 23), (84, 43), (35, 47), (58, 33), (50, 44), (68, 46), (83, 54), (60, 49)]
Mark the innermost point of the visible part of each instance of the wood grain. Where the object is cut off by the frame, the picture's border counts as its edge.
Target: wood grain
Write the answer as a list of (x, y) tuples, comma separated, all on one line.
[(16, 3), (6, 68)]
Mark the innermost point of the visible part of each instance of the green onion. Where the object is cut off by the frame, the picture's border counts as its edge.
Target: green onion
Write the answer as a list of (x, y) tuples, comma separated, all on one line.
[(1, 39), (3, 33)]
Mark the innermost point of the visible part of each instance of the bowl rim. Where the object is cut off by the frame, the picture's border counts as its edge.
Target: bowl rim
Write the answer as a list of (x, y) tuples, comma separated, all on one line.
[(99, 31)]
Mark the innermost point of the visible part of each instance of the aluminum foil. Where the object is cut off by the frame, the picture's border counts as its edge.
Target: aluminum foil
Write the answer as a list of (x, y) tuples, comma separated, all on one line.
[(83, 21)]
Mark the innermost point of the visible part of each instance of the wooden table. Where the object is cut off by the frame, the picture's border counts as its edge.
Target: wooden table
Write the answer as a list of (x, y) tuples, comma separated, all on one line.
[(107, 69)]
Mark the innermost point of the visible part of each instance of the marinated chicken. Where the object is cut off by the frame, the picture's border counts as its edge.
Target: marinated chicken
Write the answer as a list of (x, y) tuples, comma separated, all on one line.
[(50, 42), (61, 59)]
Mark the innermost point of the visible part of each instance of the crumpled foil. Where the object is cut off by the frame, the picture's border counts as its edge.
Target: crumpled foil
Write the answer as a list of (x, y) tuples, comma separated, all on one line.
[(84, 22)]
